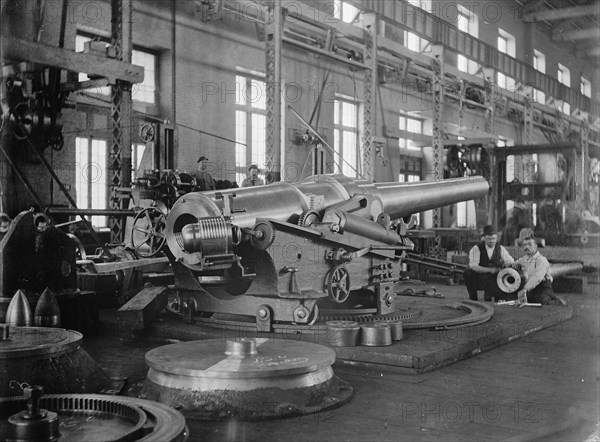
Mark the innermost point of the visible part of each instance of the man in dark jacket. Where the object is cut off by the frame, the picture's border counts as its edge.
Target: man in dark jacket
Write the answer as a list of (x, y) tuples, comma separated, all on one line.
[(486, 259)]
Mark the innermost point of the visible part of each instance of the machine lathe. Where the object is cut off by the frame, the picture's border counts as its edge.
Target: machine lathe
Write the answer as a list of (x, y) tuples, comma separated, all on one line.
[(280, 252)]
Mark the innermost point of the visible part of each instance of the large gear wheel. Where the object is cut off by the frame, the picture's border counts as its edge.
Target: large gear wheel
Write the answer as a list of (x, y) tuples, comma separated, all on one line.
[(266, 235), (337, 284), (309, 217)]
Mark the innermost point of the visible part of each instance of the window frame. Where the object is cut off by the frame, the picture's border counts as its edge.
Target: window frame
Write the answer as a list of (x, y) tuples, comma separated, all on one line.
[(253, 110), (340, 130)]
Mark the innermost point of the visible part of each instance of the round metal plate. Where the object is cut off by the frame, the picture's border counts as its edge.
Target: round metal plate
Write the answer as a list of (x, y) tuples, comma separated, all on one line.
[(38, 341), (207, 359)]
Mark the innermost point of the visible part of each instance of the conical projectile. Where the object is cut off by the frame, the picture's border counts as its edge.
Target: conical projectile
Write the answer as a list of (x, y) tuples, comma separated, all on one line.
[(19, 312), (47, 311)]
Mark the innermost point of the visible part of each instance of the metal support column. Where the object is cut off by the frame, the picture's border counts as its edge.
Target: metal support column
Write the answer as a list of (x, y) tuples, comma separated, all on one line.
[(528, 115), (585, 144), (273, 42), (370, 97), (120, 152), (437, 65), (489, 75)]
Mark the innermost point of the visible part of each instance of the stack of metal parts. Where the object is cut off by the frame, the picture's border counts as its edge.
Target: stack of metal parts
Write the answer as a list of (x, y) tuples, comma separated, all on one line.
[(372, 334), (78, 417), (246, 379)]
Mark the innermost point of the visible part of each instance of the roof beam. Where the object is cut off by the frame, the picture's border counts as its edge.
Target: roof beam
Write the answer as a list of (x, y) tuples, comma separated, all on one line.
[(579, 34), (562, 13), (21, 50)]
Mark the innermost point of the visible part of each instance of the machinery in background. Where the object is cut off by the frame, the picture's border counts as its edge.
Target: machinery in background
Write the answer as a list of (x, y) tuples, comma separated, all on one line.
[(279, 253)]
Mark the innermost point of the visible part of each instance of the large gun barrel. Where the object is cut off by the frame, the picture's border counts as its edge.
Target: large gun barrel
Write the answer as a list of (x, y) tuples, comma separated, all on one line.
[(219, 217)]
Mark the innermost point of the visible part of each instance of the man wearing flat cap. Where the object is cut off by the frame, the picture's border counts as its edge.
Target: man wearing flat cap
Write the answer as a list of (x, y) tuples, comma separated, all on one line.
[(486, 259), (204, 180), (253, 179), (536, 272)]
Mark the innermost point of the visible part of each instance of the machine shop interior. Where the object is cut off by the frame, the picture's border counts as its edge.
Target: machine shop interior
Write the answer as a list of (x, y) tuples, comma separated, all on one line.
[(155, 287)]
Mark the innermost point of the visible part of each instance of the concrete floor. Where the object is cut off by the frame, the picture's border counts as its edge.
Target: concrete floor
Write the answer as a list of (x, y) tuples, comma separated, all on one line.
[(545, 386)]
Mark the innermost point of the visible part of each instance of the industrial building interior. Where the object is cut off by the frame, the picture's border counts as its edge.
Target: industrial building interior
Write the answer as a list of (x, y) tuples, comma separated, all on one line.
[(154, 287)]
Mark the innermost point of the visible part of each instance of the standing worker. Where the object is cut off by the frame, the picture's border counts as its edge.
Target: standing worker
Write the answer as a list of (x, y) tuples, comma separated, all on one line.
[(204, 180), (486, 259), (253, 179)]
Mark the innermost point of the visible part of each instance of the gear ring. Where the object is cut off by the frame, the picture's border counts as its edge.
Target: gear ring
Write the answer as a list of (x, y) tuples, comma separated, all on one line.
[(329, 315), (308, 218)]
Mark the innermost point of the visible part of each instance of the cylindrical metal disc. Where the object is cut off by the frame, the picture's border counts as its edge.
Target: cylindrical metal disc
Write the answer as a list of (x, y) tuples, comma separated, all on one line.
[(508, 280), (207, 359), (38, 341)]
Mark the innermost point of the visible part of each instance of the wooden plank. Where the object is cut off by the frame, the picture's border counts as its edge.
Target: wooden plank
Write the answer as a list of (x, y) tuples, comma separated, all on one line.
[(142, 309), (17, 49)]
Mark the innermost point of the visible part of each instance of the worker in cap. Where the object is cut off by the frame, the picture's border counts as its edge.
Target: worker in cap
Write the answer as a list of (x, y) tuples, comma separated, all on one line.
[(253, 179), (486, 259), (204, 181), (536, 273)]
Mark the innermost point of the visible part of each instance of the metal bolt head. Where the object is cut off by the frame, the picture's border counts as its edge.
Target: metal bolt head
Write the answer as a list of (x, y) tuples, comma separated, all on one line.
[(301, 314), (262, 313)]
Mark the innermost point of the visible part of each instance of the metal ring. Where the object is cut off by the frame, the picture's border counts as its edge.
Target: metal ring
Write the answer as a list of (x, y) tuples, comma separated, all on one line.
[(508, 280)]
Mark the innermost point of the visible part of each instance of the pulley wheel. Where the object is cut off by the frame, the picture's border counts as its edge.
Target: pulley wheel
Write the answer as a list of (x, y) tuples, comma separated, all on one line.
[(337, 284), (148, 232), (244, 378), (266, 235)]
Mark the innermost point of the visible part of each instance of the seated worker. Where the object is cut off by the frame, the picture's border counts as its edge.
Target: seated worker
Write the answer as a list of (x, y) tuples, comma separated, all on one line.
[(536, 268), (253, 179), (485, 261)]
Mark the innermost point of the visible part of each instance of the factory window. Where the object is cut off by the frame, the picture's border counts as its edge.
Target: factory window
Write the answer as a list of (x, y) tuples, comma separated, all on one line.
[(137, 153), (506, 45), (564, 75), (410, 125), (345, 12), (467, 22), (539, 61), (250, 125), (143, 92), (80, 40), (90, 180), (539, 96), (345, 137), (414, 42), (586, 87)]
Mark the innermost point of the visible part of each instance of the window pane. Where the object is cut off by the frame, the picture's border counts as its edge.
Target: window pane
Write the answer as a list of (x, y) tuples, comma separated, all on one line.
[(257, 94), (240, 136), (336, 146), (348, 114), (98, 180), (259, 135), (81, 177), (144, 91), (349, 12), (402, 124), (415, 126), (80, 40), (349, 152)]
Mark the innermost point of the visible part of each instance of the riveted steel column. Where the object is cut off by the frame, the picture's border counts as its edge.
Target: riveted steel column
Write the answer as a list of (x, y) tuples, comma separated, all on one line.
[(437, 66), (585, 144), (370, 95), (120, 152), (273, 34), (490, 96)]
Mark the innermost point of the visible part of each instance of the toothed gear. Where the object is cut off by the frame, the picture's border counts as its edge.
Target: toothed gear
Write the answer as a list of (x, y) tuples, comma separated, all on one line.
[(308, 218), (360, 316)]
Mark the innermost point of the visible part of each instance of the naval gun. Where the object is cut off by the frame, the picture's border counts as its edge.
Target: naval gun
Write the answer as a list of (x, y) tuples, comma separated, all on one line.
[(280, 252)]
